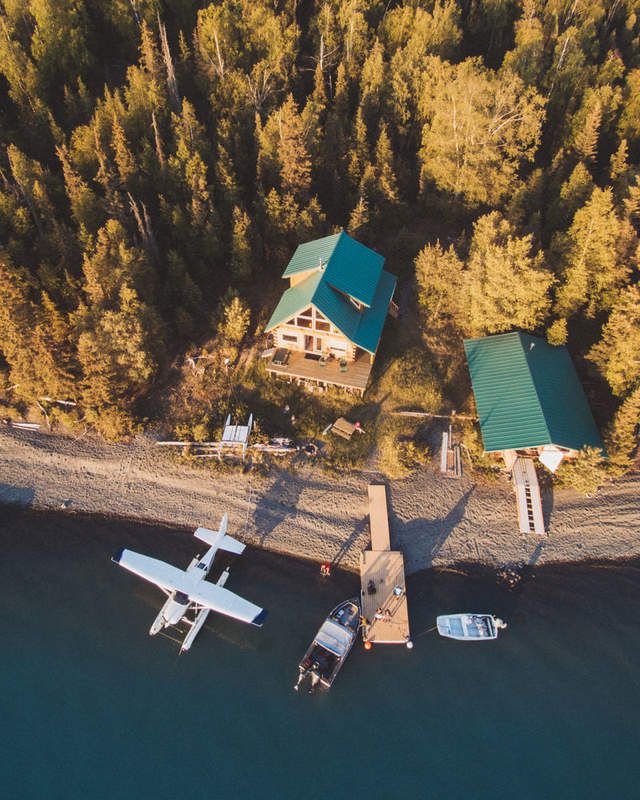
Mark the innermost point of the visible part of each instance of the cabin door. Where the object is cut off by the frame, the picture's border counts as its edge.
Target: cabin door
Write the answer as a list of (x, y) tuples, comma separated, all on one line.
[(313, 344)]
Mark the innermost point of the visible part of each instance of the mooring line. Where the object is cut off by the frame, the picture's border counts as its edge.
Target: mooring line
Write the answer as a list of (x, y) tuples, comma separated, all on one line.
[(428, 630)]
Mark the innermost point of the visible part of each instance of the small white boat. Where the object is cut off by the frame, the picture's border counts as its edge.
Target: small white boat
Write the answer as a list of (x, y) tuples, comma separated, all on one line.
[(469, 627)]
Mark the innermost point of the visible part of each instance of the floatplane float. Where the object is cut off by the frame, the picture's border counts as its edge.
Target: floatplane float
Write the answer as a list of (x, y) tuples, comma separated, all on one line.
[(190, 597), (469, 627)]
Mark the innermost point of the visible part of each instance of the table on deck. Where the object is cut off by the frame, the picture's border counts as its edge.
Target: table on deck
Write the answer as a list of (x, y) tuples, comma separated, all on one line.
[(355, 378)]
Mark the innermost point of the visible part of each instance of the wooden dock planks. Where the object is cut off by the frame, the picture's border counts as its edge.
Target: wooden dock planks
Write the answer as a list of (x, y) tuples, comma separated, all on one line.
[(384, 571), (383, 590), (378, 517)]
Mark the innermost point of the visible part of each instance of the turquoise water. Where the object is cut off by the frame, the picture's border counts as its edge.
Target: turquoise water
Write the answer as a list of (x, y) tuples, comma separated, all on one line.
[(91, 707)]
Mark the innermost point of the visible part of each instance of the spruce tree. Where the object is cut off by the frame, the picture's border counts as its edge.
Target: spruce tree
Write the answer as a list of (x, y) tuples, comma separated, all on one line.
[(592, 268), (506, 284), (617, 354), (295, 163)]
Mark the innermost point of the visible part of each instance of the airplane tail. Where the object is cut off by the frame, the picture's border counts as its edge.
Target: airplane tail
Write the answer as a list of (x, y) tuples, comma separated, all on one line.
[(220, 538)]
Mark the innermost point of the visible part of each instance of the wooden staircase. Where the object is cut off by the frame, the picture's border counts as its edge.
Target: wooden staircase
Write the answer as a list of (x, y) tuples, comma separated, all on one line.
[(529, 502)]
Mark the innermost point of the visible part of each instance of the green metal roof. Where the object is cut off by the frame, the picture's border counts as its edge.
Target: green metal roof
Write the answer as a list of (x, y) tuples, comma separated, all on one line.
[(528, 394), (349, 266), (363, 328)]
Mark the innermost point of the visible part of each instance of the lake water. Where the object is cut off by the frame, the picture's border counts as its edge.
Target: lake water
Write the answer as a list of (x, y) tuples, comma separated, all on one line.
[(92, 707)]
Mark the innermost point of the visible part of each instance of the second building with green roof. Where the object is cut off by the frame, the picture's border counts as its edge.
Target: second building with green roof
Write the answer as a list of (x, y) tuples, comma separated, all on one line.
[(529, 399)]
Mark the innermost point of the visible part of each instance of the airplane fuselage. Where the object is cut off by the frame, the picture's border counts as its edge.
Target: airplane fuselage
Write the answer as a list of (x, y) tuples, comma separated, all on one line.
[(178, 603), (190, 598)]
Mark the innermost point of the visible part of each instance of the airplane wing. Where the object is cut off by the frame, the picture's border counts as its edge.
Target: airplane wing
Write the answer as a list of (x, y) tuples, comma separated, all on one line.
[(205, 594), (225, 602), (151, 569)]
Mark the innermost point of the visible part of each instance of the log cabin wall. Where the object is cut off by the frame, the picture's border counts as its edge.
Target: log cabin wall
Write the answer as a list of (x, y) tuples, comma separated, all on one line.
[(311, 332)]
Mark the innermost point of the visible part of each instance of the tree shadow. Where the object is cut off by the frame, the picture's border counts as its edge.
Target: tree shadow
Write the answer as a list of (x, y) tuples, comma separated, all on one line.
[(16, 495), (535, 556), (279, 503), (548, 500), (361, 528), (426, 537)]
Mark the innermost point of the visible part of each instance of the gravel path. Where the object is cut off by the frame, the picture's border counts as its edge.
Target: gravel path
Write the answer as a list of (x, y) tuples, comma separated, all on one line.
[(436, 521)]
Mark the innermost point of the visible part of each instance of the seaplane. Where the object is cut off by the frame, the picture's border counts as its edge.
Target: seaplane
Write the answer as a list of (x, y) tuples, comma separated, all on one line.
[(189, 597)]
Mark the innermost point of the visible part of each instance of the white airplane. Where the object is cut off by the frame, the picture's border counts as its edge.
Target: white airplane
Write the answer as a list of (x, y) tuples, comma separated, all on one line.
[(187, 589)]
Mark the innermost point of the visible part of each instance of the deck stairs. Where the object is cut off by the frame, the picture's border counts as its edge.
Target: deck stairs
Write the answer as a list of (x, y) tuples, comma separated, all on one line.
[(528, 499)]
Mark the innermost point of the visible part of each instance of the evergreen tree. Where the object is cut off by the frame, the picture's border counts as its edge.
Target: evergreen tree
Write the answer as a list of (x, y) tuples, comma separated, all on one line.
[(295, 164), (557, 332), (242, 252), (359, 156), (85, 205), (592, 268), (359, 220), (629, 124), (622, 435), (17, 320), (236, 320), (617, 354), (387, 185), (123, 156), (506, 284), (112, 263), (439, 274)]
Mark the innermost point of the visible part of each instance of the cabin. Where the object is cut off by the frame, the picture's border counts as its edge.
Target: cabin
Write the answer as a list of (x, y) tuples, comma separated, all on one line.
[(529, 399), (328, 323)]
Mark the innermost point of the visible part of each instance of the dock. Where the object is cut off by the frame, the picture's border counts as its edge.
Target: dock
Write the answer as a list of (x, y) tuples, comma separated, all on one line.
[(383, 593)]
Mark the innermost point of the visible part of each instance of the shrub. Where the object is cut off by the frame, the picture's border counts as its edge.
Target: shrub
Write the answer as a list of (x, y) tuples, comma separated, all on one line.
[(584, 473), (411, 382), (622, 437), (557, 332)]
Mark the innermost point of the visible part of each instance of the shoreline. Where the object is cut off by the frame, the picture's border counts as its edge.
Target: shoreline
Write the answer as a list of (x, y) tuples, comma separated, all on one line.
[(473, 569), (437, 522)]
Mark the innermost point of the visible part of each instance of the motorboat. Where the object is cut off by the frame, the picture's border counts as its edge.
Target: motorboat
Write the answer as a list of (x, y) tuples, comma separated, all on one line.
[(469, 627), (330, 647)]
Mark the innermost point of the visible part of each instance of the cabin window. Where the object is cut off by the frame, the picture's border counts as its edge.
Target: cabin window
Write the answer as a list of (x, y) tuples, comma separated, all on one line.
[(304, 322), (291, 322), (319, 315), (322, 326), (286, 337)]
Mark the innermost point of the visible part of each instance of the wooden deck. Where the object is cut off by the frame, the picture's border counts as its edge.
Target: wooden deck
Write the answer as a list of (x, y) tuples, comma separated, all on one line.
[(383, 592), (386, 570), (304, 369), (378, 517)]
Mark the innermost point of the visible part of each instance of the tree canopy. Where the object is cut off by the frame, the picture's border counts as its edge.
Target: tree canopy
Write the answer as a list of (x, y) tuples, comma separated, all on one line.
[(157, 155)]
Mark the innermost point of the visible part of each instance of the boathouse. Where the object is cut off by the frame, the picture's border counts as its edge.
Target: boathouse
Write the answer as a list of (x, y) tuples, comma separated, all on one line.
[(529, 399), (328, 323)]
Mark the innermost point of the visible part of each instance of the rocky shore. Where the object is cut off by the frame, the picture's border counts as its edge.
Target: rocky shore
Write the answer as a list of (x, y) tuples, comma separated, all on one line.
[(436, 521)]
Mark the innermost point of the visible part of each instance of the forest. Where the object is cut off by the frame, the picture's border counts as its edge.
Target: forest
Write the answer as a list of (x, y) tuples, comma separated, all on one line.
[(161, 159)]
